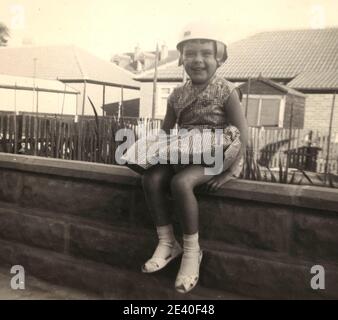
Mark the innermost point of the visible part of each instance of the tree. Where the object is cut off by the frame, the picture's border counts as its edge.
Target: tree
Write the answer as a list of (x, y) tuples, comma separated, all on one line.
[(4, 34)]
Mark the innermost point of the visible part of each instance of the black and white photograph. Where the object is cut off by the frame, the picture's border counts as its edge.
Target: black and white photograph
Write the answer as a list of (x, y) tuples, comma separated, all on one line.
[(177, 151)]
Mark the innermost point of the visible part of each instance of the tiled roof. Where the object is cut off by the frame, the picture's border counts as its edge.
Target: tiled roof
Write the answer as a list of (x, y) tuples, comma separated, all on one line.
[(282, 54), (277, 55), (62, 63), (171, 72), (316, 80)]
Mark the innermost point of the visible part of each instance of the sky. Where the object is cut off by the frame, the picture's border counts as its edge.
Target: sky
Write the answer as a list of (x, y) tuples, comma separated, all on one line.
[(107, 27)]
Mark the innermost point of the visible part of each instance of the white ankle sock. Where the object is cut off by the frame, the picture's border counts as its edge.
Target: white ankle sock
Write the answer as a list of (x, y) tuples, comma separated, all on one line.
[(166, 241), (191, 253)]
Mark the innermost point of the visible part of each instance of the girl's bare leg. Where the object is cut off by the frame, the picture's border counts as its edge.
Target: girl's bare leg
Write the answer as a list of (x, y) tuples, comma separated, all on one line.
[(182, 188), (156, 184)]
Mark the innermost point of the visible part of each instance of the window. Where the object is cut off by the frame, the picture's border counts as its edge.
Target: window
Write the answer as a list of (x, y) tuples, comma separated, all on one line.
[(165, 91), (264, 111), (161, 108)]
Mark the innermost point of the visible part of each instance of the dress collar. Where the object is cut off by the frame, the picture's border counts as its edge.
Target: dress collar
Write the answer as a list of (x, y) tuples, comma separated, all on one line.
[(201, 86)]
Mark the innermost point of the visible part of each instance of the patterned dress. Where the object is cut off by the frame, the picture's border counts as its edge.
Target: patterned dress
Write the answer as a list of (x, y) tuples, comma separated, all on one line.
[(201, 112)]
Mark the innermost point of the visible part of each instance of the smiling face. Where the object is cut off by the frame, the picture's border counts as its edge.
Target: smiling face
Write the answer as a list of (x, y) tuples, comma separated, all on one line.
[(199, 60)]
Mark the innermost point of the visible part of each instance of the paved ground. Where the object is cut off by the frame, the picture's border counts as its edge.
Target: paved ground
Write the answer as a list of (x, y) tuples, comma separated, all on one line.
[(38, 290)]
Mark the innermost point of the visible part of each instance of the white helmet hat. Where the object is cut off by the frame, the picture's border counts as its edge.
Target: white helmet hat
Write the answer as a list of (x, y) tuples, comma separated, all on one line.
[(201, 30)]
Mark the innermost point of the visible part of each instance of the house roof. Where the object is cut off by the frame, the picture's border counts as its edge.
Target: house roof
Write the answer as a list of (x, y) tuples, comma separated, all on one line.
[(65, 63), (316, 80), (126, 104), (282, 88), (282, 55), (170, 72), (26, 83)]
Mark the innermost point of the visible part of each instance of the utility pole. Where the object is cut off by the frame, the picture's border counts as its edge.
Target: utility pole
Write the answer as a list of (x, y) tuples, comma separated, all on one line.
[(247, 97), (155, 84), (36, 113), (329, 138), (34, 76)]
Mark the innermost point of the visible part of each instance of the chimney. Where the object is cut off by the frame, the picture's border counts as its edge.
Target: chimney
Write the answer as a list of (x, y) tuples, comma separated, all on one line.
[(139, 66), (149, 59), (164, 52), (137, 52), (121, 60), (115, 59), (124, 61)]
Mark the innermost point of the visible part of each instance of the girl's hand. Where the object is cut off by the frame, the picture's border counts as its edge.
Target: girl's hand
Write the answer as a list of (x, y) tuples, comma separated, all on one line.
[(216, 182)]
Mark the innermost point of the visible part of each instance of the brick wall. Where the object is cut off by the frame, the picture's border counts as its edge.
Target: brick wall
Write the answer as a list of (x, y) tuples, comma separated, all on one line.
[(317, 112)]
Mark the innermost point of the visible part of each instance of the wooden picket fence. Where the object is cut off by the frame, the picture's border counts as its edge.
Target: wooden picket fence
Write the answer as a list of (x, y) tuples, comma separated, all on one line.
[(93, 140), (303, 148), (84, 139)]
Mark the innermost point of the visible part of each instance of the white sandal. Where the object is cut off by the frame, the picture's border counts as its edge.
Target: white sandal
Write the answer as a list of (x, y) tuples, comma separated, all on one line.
[(185, 283), (157, 263)]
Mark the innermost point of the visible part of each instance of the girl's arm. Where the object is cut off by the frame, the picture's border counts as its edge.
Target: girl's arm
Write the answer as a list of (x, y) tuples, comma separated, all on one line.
[(169, 119), (236, 117)]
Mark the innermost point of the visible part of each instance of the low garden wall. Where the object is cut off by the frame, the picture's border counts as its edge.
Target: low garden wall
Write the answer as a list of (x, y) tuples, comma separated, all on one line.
[(273, 232)]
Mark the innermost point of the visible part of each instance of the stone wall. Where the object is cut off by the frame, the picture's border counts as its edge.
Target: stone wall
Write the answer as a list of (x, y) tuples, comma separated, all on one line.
[(260, 238)]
